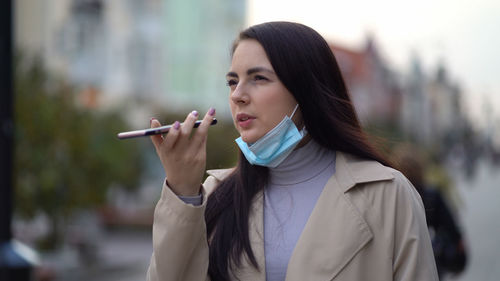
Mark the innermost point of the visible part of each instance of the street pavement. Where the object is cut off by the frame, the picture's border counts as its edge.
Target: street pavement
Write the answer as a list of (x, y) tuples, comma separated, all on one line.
[(121, 256), (480, 218)]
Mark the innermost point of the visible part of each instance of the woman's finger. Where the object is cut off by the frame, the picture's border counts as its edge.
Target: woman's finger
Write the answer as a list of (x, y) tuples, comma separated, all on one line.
[(173, 134), (201, 134), (156, 139), (188, 124)]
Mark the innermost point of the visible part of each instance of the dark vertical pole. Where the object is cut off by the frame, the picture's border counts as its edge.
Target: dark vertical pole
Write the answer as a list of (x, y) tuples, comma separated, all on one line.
[(13, 264), (6, 123)]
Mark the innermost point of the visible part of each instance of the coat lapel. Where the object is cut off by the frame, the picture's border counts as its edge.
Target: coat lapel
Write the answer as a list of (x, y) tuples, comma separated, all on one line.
[(246, 271), (335, 231)]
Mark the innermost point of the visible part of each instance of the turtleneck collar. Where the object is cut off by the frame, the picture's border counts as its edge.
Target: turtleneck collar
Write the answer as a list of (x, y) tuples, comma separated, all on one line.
[(302, 164)]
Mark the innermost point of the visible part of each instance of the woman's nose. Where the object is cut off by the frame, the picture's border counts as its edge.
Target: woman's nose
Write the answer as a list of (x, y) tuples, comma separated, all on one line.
[(240, 95)]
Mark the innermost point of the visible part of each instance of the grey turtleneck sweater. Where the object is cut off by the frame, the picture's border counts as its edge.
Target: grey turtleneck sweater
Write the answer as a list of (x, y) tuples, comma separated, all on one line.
[(289, 198), (294, 187)]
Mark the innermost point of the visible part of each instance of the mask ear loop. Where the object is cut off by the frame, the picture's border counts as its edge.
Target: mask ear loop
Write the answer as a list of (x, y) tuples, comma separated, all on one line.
[(295, 109), (303, 131)]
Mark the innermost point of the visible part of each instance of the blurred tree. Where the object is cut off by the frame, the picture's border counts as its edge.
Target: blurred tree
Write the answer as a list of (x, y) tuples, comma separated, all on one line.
[(66, 156), (222, 150), (384, 135)]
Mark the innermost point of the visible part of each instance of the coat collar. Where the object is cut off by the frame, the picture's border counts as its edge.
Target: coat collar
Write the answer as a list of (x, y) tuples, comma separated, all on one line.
[(220, 174), (352, 170), (334, 233)]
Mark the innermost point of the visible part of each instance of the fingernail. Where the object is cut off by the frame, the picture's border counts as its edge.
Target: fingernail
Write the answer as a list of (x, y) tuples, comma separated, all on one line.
[(211, 112), (151, 120), (195, 113), (177, 125)]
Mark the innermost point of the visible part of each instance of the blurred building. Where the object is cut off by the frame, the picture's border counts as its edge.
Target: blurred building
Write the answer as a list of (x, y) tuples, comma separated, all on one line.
[(373, 86), (101, 47), (426, 108), (169, 53), (197, 46), (416, 119), (431, 110), (447, 114)]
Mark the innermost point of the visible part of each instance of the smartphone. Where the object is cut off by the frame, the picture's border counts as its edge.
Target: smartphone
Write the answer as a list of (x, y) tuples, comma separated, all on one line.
[(155, 131)]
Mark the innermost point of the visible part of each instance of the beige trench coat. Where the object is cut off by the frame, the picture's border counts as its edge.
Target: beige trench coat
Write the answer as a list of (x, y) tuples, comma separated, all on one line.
[(368, 224)]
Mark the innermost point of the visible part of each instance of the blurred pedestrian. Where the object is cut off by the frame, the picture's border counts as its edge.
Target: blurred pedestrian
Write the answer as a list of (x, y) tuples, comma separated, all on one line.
[(447, 239), (310, 198)]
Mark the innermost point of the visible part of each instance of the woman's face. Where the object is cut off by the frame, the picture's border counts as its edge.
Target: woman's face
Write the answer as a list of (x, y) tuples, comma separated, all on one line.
[(258, 99)]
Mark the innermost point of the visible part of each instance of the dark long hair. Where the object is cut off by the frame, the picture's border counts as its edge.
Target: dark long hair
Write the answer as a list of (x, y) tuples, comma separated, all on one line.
[(305, 64)]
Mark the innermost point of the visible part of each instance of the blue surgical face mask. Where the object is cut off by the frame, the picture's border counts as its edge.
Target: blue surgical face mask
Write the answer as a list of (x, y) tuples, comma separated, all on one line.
[(271, 149)]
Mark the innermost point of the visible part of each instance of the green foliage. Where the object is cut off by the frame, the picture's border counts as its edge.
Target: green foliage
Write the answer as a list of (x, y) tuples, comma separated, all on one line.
[(384, 136), (66, 156), (222, 150)]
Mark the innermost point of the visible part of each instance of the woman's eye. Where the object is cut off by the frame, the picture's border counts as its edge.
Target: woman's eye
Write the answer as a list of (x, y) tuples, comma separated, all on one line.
[(231, 83), (259, 77)]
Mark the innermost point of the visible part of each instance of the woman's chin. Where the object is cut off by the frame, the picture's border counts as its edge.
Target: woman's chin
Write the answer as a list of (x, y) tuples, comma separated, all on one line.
[(248, 138)]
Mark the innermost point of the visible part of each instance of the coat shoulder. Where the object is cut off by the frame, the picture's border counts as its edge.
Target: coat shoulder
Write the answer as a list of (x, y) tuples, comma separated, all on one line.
[(375, 182), (388, 195)]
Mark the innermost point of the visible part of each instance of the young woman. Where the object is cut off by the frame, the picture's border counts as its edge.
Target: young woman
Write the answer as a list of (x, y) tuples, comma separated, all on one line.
[(310, 199)]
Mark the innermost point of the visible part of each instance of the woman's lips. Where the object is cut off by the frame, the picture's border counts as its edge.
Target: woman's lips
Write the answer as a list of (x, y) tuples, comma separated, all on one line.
[(246, 123), (244, 120)]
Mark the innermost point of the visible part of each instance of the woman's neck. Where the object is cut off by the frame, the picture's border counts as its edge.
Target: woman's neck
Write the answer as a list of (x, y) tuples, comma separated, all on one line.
[(303, 163)]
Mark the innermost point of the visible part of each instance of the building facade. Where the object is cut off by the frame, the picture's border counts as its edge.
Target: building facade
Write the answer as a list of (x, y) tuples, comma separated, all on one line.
[(372, 85), (171, 54)]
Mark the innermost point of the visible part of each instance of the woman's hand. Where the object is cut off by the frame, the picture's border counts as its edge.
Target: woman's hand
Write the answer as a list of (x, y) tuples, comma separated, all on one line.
[(183, 153)]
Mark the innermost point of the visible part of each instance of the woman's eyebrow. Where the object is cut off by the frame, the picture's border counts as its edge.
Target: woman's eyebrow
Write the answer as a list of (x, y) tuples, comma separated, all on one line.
[(251, 71), (259, 69), (232, 74)]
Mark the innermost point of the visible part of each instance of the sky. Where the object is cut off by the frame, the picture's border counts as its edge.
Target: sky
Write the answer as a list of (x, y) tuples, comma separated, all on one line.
[(464, 35)]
